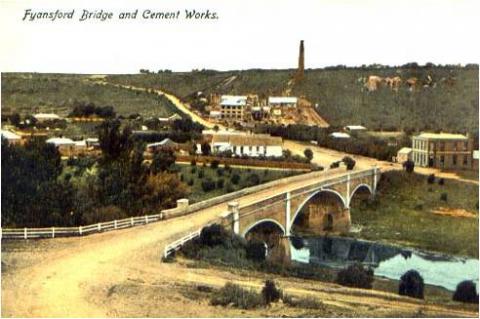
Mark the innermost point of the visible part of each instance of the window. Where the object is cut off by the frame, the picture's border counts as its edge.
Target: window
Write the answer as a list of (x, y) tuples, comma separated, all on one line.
[(465, 160), (465, 146), (258, 149), (454, 160), (442, 160)]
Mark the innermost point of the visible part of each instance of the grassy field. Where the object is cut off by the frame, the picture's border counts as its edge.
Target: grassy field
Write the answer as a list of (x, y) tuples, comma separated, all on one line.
[(32, 92), (404, 213), (449, 103), (190, 174)]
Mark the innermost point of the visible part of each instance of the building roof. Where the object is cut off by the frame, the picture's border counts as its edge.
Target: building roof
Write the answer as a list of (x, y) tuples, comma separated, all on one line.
[(355, 127), (248, 139), (475, 154), (46, 116), (164, 142), (405, 150), (172, 117), (60, 141), (9, 135), (339, 135), (442, 136), (233, 100), (282, 100)]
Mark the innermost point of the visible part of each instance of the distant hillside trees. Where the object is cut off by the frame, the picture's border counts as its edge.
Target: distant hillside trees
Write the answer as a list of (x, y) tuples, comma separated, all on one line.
[(82, 109)]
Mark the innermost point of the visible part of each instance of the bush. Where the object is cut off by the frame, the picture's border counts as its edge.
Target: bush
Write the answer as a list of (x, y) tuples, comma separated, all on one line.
[(220, 171), (431, 179), (214, 235), (409, 166), (304, 302), (253, 180), (297, 242), (308, 154), (411, 284), (256, 250), (201, 174), (270, 292), (235, 179), (214, 164), (466, 292), (232, 294), (349, 162), (193, 162), (193, 170), (335, 165), (441, 182), (220, 183), (190, 182), (355, 276), (229, 187), (444, 197), (208, 185)]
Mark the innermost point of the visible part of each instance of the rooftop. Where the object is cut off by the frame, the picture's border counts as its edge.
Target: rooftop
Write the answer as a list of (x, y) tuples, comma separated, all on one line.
[(248, 139), (442, 136), (355, 127), (60, 141), (9, 135), (339, 135), (46, 116), (405, 150), (282, 100), (233, 100)]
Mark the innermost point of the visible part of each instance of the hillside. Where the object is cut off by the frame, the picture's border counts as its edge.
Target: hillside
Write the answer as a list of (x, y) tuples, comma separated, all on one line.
[(444, 97), (32, 92)]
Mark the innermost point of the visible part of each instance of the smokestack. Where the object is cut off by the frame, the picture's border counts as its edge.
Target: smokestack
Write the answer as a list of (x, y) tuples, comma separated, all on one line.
[(301, 62)]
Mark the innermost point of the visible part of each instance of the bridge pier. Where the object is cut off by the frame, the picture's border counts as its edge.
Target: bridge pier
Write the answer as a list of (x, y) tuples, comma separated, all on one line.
[(288, 207), (233, 208)]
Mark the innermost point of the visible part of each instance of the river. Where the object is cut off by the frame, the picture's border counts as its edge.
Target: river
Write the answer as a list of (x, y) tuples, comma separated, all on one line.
[(387, 260)]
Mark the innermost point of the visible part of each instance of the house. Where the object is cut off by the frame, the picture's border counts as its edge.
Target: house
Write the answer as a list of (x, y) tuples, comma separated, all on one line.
[(339, 135), (46, 117), (404, 154), (233, 106), (282, 101), (164, 144), (92, 142), (253, 145), (214, 115), (354, 128), (442, 150), (11, 137), (65, 146)]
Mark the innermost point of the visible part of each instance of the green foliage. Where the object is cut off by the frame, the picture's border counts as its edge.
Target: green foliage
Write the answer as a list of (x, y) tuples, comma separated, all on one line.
[(444, 197), (308, 154), (349, 162), (214, 235), (82, 109), (409, 166), (256, 250), (113, 143), (252, 180), (431, 179), (220, 183), (235, 179), (206, 149), (238, 297), (162, 161), (355, 276), (411, 284), (208, 185), (214, 164)]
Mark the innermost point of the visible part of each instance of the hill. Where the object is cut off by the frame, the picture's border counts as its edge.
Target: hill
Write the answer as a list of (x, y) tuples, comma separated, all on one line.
[(443, 97)]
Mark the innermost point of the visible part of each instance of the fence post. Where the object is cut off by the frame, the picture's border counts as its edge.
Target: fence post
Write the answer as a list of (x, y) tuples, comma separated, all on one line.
[(131, 221), (80, 230), (25, 236), (99, 226), (53, 232), (146, 219), (115, 224)]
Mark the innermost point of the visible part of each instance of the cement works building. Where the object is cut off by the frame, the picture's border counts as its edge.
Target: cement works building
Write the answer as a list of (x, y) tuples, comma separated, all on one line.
[(442, 150)]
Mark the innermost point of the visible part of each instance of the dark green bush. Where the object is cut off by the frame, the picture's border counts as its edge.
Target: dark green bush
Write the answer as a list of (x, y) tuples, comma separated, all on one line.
[(441, 181), (214, 164), (214, 235), (201, 174), (253, 180), (297, 242), (208, 185), (193, 162), (270, 292), (466, 292), (235, 179), (355, 276), (444, 197), (431, 179), (411, 284), (256, 250), (349, 162), (220, 183)]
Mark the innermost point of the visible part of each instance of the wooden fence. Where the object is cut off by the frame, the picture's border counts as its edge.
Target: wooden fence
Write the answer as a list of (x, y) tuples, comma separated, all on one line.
[(52, 232)]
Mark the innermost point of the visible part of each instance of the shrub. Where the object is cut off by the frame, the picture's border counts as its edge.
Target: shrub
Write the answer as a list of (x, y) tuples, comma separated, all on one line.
[(441, 182), (201, 174), (253, 180), (214, 164), (256, 250), (193, 170), (411, 284), (193, 162), (220, 171), (355, 276), (335, 165), (235, 179), (444, 197), (229, 187), (304, 302), (466, 292), (297, 242), (232, 294), (349, 162), (190, 182), (220, 183), (409, 166), (270, 292), (308, 154), (208, 185), (214, 235), (431, 179)]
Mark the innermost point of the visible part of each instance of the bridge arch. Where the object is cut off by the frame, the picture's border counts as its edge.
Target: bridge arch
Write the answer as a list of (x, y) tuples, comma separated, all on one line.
[(261, 221), (323, 190), (357, 188)]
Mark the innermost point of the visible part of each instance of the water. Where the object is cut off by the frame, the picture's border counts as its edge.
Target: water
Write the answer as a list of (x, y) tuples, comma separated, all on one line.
[(387, 261)]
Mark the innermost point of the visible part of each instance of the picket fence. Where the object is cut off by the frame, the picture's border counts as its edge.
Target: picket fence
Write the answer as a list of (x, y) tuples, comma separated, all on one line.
[(52, 232)]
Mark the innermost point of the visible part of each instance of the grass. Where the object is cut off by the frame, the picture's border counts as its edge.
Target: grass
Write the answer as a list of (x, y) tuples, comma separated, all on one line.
[(28, 93), (238, 297), (191, 173), (403, 214)]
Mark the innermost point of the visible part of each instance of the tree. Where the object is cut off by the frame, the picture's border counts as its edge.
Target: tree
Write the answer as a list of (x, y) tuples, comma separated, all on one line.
[(208, 185), (206, 149), (409, 166), (162, 160), (466, 292), (213, 235), (113, 143), (349, 162), (253, 180), (411, 284), (270, 292), (308, 154), (355, 276)]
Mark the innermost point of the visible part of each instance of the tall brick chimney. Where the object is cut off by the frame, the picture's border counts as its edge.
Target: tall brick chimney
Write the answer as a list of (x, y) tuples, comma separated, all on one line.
[(301, 63)]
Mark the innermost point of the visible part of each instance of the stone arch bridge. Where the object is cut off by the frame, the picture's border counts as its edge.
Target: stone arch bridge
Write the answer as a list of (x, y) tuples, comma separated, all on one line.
[(321, 207)]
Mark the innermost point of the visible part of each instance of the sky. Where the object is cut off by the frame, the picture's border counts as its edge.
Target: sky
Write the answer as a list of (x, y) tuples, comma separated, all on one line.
[(247, 34)]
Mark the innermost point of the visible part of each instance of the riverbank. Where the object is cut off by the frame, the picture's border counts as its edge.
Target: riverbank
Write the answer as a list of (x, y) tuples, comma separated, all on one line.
[(409, 211)]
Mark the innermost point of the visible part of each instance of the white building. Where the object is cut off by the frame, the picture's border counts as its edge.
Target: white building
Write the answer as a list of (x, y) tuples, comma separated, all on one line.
[(354, 128), (11, 137), (169, 119), (43, 117), (232, 106), (282, 101), (339, 135), (253, 145), (404, 154)]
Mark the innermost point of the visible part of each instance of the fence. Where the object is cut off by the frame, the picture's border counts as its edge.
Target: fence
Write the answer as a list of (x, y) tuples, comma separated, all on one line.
[(177, 244), (52, 232)]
